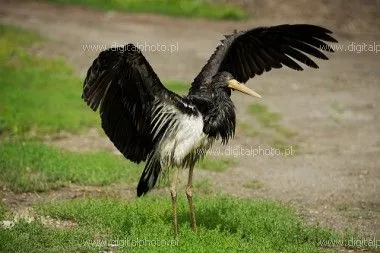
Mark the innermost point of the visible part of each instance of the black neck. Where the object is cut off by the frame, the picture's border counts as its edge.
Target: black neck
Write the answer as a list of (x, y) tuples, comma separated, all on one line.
[(218, 113)]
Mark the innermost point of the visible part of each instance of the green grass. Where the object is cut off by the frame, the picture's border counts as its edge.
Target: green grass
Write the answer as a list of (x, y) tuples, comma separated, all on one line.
[(264, 116), (183, 8), (178, 87), (270, 120), (37, 94), (40, 95), (247, 128), (270, 129), (217, 164), (203, 186), (224, 224), (34, 237), (32, 166), (286, 149)]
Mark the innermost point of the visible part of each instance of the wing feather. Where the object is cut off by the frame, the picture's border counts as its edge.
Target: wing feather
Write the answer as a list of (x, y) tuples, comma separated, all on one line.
[(248, 53), (128, 93)]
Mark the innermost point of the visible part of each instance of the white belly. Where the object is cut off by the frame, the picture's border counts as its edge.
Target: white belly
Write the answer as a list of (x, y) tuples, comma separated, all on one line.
[(183, 139)]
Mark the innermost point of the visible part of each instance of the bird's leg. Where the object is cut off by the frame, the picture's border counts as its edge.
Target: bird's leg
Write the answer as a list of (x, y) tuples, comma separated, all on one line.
[(189, 195), (173, 192)]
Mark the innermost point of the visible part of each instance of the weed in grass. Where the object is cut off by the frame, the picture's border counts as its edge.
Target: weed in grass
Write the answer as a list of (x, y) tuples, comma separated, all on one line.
[(29, 166), (184, 8)]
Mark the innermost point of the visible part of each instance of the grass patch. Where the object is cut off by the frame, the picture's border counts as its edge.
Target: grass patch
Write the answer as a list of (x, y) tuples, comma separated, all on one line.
[(265, 117), (203, 186), (224, 224), (254, 184), (42, 95), (216, 164), (34, 237), (337, 107), (285, 148), (178, 87), (32, 166), (37, 94), (336, 111), (284, 131), (183, 8), (247, 129), (271, 120)]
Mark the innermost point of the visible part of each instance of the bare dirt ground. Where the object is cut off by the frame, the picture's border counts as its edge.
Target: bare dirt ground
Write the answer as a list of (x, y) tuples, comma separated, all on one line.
[(334, 177)]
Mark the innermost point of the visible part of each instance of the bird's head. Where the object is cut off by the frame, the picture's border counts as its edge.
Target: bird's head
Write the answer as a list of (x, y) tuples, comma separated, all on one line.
[(225, 81)]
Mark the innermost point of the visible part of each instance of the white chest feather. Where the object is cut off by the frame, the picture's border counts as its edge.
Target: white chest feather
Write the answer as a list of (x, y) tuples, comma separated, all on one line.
[(183, 136)]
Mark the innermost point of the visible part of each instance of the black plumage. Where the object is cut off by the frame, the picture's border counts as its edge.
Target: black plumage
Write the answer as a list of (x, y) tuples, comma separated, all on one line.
[(147, 122)]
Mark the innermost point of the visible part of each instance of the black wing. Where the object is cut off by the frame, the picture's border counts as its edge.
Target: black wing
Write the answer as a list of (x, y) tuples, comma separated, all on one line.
[(123, 84), (249, 53)]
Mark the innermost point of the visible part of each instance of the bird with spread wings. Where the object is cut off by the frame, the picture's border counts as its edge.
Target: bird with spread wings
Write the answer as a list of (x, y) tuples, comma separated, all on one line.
[(147, 122)]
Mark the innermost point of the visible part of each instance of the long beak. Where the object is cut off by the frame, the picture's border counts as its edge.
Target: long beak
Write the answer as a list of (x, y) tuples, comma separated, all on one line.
[(235, 85)]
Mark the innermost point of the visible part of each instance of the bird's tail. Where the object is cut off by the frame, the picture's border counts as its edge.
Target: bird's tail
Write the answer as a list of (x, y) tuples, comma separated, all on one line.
[(149, 176)]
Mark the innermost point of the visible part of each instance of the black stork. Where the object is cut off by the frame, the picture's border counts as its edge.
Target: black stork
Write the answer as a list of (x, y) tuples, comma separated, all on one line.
[(147, 122)]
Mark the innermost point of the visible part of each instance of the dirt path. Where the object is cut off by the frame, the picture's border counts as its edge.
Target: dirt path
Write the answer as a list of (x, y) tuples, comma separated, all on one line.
[(335, 174)]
